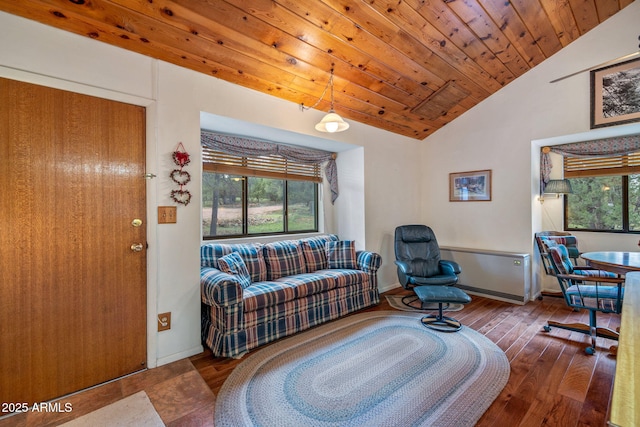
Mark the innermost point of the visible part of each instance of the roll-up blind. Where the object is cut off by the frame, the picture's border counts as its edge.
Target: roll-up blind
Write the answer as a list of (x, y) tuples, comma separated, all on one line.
[(575, 167), (272, 166)]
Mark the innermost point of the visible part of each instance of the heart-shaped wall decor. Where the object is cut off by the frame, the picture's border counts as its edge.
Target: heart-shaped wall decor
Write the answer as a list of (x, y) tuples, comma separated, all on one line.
[(181, 196), (180, 177)]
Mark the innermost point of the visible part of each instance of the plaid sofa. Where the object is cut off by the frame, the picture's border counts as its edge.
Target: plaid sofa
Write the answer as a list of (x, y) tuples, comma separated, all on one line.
[(280, 288)]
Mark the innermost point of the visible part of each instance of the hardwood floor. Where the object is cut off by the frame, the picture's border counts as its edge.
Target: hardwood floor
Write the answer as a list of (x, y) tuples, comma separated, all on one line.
[(552, 382)]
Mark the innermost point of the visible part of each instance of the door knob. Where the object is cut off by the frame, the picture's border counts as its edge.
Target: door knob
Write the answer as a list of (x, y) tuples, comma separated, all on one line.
[(136, 247)]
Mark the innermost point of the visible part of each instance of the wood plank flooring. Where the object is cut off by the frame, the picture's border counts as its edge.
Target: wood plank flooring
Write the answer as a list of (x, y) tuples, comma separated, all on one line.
[(552, 383)]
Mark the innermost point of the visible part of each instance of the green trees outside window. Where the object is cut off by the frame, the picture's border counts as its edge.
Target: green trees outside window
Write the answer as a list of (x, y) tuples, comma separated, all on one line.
[(235, 205), (604, 203)]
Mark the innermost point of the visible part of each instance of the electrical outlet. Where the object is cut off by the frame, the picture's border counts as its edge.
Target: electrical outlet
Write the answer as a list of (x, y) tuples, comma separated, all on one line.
[(164, 321), (167, 215)]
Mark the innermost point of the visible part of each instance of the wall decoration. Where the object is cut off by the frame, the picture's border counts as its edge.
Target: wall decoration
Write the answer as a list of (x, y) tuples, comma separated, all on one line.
[(474, 186), (181, 176), (615, 94)]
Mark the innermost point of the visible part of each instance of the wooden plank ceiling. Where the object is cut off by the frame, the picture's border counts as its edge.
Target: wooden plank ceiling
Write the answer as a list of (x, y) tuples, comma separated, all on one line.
[(407, 66)]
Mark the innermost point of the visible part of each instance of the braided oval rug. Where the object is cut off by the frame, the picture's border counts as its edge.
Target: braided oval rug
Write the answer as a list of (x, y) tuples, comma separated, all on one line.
[(370, 369)]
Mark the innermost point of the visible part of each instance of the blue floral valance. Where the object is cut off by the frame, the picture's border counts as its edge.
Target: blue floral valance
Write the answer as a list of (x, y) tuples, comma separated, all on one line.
[(246, 147)]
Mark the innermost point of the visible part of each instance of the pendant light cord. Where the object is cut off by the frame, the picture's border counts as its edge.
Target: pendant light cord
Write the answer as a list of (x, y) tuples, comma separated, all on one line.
[(329, 83)]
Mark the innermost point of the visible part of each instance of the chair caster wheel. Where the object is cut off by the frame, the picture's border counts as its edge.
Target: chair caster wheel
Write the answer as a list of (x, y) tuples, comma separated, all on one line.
[(547, 328), (590, 351)]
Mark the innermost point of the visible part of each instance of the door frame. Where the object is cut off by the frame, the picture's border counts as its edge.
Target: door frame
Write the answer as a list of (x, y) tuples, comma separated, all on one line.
[(151, 166)]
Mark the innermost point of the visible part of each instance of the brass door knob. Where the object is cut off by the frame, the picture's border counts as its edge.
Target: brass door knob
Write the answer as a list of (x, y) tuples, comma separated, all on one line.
[(137, 247)]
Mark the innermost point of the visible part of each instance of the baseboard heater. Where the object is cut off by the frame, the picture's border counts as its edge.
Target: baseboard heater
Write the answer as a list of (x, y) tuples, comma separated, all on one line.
[(504, 276)]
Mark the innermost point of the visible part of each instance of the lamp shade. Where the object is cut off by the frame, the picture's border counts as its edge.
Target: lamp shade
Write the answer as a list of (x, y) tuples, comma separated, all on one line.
[(332, 122), (558, 186)]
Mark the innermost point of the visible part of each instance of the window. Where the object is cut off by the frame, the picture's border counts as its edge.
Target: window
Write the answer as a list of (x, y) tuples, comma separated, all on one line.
[(254, 196), (606, 193)]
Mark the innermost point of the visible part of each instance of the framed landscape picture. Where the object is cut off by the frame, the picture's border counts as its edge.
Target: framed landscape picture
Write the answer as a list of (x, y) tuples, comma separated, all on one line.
[(615, 94), (474, 186)]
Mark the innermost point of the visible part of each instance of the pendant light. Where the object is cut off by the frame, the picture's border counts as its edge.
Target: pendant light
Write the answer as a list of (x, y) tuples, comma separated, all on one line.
[(331, 122)]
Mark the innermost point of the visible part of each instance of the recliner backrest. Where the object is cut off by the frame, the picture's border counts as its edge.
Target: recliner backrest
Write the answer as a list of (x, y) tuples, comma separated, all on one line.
[(417, 245)]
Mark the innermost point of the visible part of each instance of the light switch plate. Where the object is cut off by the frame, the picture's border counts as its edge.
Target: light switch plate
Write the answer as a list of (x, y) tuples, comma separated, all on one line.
[(167, 215)]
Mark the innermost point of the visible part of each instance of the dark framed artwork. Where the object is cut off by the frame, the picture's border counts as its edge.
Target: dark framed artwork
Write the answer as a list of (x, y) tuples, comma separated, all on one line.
[(474, 186), (615, 94)]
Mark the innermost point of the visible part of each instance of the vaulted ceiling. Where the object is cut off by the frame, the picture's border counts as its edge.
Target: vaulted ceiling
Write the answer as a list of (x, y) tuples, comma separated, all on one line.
[(407, 66)]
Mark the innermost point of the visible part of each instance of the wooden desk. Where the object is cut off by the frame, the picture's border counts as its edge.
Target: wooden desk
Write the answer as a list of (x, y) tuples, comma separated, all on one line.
[(615, 262), (625, 400)]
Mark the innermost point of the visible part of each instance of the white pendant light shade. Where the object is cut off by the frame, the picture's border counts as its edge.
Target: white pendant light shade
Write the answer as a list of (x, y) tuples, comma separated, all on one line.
[(331, 123)]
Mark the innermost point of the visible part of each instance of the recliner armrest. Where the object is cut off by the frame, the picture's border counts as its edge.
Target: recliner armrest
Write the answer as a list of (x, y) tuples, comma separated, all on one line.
[(450, 267), (405, 267)]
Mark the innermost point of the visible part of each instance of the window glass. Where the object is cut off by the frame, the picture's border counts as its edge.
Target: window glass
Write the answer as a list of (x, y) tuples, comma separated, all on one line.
[(221, 204), (266, 205), (236, 205), (596, 204), (301, 205), (634, 202)]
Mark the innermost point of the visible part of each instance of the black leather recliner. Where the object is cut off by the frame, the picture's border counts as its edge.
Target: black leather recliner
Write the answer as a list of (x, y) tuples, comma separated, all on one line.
[(418, 260)]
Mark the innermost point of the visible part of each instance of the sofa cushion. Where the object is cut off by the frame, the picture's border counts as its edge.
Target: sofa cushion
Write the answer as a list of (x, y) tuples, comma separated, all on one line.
[(266, 294), (283, 258), (315, 254), (233, 264), (344, 277), (341, 254), (251, 254)]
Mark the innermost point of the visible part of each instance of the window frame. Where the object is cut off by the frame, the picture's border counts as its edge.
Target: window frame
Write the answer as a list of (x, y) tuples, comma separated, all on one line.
[(247, 172), (625, 208)]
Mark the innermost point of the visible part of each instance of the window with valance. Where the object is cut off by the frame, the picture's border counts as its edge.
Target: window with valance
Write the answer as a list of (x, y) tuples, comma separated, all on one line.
[(253, 187), (605, 178)]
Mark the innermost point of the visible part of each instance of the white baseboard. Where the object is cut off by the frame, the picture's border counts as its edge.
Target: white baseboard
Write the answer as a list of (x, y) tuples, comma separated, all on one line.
[(390, 286), (178, 356)]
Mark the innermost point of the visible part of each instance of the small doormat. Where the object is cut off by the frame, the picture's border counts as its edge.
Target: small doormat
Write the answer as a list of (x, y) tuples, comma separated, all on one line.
[(395, 301), (135, 410)]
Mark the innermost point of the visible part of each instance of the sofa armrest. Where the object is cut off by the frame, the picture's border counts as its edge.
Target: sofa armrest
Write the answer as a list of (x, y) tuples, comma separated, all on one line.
[(219, 288), (369, 262)]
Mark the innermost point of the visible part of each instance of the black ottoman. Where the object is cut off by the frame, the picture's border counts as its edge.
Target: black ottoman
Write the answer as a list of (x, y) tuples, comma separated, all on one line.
[(441, 295)]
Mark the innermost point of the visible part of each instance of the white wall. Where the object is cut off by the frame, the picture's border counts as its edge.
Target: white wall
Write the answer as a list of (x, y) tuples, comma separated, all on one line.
[(378, 170), (497, 134)]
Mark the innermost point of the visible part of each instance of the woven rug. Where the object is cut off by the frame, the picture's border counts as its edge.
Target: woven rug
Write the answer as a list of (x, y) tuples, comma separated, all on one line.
[(135, 410), (370, 369), (395, 301)]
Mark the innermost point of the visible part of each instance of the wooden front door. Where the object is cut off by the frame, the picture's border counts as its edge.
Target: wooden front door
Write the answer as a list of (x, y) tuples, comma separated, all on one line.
[(72, 290)]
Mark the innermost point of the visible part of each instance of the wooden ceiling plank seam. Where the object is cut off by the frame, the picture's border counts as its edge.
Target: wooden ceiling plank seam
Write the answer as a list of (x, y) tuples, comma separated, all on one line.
[(354, 58), (479, 91), (178, 10), (586, 14), (447, 22), (431, 38), (362, 16), (477, 20), (535, 19), (561, 17), (606, 9), (139, 26), (379, 102), (383, 106), (407, 44), (359, 38), (514, 29)]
